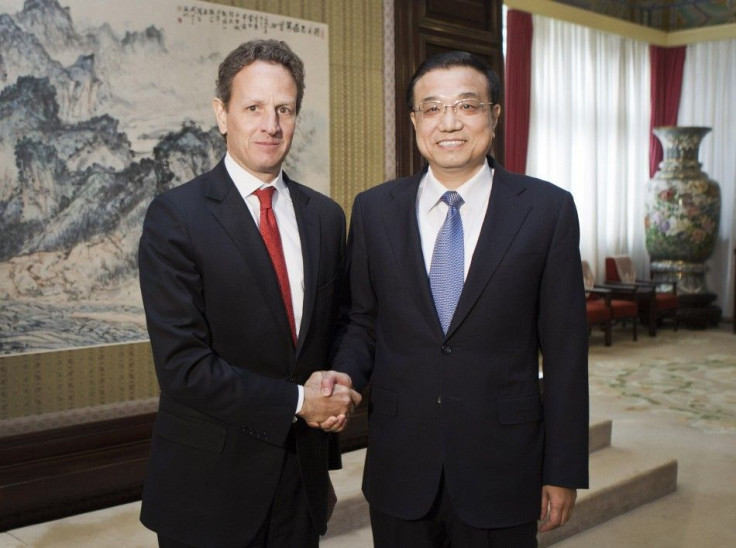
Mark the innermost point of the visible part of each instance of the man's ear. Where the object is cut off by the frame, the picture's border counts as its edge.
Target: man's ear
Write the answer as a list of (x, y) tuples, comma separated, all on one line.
[(495, 114), (220, 114)]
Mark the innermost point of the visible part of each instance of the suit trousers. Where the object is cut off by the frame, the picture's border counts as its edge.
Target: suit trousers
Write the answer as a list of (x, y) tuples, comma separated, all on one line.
[(443, 528), (288, 523)]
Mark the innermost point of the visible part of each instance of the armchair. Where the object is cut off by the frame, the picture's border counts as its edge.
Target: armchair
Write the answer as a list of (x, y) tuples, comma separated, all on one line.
[(653, 302), (623, 309)]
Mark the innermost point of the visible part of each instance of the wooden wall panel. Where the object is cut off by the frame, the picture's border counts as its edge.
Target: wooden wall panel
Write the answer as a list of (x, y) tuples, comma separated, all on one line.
[(59, 472), (64, 471), (425, 27), (467, 14)]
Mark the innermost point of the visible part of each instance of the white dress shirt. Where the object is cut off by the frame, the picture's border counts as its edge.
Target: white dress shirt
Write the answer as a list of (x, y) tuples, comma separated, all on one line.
[(431, 211), (283, 209)]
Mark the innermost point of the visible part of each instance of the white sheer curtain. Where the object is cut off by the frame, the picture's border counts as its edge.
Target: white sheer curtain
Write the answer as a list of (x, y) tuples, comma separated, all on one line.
[(708, 99), (589, 133)]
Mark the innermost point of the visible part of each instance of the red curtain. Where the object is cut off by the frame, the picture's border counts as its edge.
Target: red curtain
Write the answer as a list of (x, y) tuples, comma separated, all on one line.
[(666, 65), (517, 94)]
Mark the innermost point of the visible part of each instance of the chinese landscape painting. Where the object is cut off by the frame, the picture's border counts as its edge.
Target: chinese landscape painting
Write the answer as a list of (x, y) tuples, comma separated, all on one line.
[(103, 105)]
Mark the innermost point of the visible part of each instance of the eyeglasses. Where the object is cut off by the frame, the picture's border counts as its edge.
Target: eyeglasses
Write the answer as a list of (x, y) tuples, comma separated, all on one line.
[(431, 110)]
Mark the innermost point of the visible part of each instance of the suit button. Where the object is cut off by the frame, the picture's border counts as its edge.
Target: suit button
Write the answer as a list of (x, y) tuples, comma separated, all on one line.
[(439, 400), (446, 349), (292, 379)]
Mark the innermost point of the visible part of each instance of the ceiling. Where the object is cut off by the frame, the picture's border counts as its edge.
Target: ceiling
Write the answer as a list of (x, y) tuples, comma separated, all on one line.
[(666, 15)]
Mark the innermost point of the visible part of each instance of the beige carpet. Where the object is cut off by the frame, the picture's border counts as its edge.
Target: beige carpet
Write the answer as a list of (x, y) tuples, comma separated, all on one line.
[(673, 395), (687, 375)]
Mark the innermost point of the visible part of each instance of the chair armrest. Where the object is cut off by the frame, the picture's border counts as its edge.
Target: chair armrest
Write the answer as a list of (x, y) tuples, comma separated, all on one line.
[(619, 287), (602, 292), (598, 290), (637, 287)]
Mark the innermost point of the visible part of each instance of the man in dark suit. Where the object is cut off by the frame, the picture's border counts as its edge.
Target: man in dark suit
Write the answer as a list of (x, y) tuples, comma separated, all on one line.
[(238, 271), (460, 276)]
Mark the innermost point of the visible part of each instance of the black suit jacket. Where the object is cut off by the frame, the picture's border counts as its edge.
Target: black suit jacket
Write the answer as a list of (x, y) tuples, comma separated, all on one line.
[(470, 402), (225, 361)]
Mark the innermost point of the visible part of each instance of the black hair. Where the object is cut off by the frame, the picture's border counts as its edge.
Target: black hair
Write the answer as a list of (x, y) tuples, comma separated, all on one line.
[(451, 59)]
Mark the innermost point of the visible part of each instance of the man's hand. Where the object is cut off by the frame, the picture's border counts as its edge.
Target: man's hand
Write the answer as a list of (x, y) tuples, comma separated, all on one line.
[(328, 403), (329, 380), (557, 505)]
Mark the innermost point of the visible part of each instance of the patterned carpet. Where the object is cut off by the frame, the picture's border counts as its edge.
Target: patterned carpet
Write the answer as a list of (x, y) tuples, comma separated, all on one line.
[(690, 375)]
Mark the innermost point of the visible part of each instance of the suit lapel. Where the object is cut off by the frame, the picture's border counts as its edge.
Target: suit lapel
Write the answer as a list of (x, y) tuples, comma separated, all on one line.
[(232, 213), (400, 220), (309, 234), (506, 213)]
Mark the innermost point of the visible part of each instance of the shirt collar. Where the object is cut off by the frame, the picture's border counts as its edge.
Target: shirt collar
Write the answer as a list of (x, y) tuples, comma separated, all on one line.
[(472, 191), (247, 183)]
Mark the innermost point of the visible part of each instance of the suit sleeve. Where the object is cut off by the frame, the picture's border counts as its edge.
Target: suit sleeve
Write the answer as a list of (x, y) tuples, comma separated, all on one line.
[(187, 368), (563, 339), (358, 316)]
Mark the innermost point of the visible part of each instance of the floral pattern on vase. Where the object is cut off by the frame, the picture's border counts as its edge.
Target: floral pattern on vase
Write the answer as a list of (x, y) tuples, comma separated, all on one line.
[(682, 220), (683, 205)]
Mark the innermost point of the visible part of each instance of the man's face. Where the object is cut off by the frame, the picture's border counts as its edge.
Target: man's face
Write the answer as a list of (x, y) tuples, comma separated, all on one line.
[(454, 144), (260, 119)]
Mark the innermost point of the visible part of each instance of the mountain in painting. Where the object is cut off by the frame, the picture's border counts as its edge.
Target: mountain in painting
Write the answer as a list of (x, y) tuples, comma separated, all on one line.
[(73, 187)]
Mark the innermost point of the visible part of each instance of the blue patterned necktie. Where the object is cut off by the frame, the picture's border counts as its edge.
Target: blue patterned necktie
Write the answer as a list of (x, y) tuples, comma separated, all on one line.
[(446, 273)]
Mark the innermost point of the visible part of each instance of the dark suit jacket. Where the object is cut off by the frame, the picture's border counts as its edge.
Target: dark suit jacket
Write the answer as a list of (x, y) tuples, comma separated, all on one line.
[(225, 361), (470, 402)]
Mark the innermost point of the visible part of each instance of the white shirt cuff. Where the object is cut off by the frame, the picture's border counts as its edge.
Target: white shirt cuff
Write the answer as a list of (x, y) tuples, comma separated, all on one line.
[(300, 401)]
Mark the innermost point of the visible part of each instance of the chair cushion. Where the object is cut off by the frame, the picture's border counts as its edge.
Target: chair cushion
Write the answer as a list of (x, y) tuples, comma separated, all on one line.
[(623, 309), (597, 311)]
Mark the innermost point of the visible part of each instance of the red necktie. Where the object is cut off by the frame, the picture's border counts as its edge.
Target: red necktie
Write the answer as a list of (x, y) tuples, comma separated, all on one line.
[(272, 239)]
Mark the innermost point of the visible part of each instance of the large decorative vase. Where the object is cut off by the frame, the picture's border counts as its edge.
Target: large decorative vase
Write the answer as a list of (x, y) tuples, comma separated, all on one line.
[(683, 210)]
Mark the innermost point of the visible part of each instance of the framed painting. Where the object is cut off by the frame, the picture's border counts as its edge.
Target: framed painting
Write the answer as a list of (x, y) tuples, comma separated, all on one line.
[(103, 105)]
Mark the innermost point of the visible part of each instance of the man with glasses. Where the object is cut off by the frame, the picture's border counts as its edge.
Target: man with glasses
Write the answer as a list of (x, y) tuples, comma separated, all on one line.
[(460, 276)]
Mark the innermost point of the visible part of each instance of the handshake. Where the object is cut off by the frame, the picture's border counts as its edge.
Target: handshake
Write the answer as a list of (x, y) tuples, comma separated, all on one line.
[(329, 399)]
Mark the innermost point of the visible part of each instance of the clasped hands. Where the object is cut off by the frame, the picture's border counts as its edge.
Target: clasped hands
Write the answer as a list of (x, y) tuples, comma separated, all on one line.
[(329, 399)]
